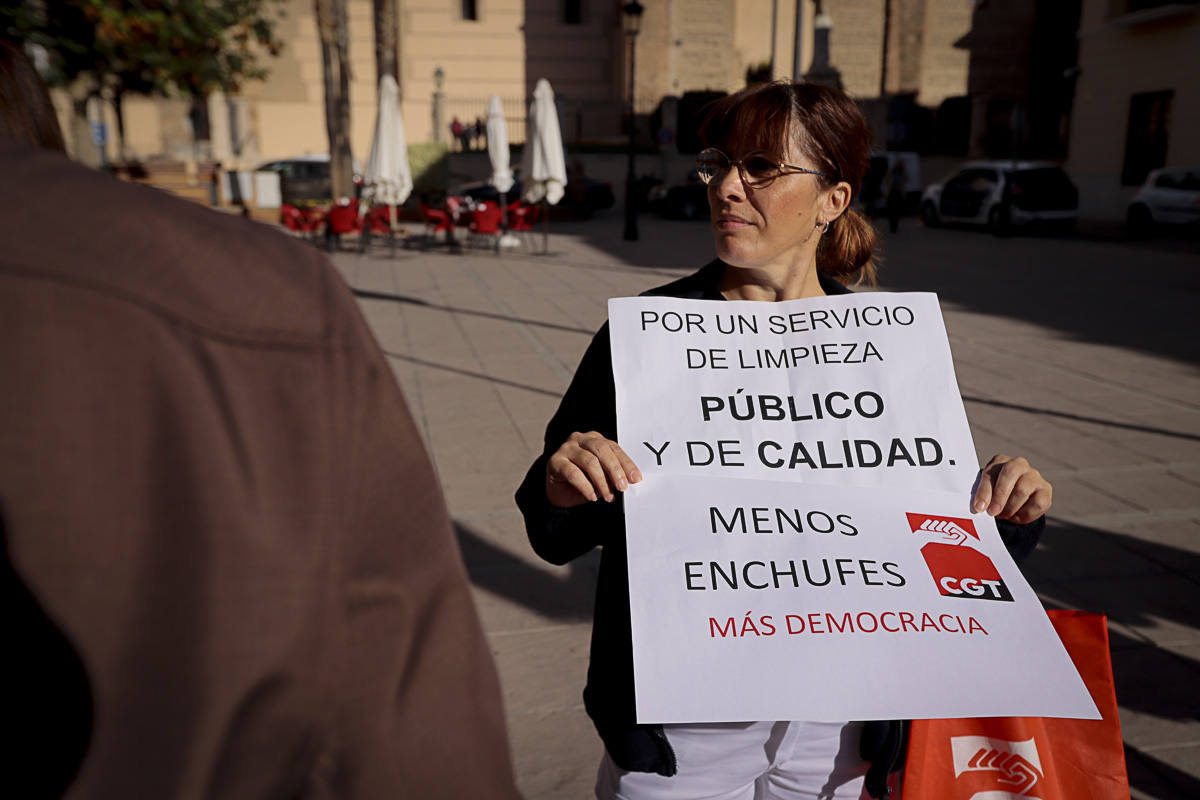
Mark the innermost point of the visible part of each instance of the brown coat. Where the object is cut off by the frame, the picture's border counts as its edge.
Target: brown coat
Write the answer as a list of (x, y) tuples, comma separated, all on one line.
[(210, 482)]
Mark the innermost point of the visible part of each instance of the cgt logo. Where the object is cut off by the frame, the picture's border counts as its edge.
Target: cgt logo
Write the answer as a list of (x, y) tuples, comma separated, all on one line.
[(995, 769), (957, 567)]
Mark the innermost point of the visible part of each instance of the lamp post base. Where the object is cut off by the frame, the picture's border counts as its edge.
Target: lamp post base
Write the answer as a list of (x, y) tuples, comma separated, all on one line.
[(631, 222)]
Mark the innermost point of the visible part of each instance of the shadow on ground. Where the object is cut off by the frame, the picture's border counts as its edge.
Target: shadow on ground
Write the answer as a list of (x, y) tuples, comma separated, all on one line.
[(1122, 294), (565, 598), (1139, 584), (1132, 294), (1144, 586)]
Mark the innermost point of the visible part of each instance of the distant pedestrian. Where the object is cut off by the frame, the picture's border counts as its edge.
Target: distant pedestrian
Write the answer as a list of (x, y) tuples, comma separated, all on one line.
[(480, 133), (214, 182), (897, 188), (221, 530), (457, 130)]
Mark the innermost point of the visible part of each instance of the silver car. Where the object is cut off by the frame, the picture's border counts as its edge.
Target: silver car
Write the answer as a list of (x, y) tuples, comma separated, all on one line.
[(1168, 197), (1003, 195)]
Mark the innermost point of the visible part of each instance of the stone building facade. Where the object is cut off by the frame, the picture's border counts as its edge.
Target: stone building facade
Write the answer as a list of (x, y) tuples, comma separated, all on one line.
[(486, 47), (1137, 102)]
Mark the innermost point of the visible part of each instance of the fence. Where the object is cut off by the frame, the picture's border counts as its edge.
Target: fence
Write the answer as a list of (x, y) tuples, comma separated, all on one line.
[(579, 120), (471, 112)]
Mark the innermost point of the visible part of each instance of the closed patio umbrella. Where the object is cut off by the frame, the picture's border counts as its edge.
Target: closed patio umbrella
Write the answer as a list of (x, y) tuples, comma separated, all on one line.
[(388, 179), (497, 145), (543, 163)]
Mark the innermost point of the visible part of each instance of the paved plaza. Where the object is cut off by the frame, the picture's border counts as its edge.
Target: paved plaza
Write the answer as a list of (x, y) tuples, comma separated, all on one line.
[(1079, 353)]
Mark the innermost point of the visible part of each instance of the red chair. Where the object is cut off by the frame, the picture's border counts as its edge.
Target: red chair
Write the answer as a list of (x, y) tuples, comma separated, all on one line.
[(302, 221), (436, 220), (485, 222), (377, 221), (485, 219), (522, 217), (455, 207), (341, 218)]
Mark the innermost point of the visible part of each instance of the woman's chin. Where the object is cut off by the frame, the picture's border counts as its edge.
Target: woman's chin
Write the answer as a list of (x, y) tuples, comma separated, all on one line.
[(735, 256)]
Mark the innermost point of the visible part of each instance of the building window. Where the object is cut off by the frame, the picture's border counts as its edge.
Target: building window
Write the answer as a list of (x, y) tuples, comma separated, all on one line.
[(573, 12), (1146, 137), (470, 10)]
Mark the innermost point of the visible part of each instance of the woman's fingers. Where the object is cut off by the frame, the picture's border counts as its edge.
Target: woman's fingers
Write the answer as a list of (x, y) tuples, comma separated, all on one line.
[(631, 470), (1009, 488), (1006, 476), (983, 488), (566, 484), (618, 467), (1037, 505), (590, 462), (586, 467)]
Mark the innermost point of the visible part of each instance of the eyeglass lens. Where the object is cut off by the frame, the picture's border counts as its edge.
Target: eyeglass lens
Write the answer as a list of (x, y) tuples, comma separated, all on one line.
[(756, 168)]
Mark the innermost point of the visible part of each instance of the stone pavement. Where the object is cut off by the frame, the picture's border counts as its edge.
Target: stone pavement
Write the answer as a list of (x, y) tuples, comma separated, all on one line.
[(1080, 354)]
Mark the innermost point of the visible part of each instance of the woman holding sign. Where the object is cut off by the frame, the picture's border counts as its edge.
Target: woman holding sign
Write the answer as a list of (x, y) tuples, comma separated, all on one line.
[(782, 162)]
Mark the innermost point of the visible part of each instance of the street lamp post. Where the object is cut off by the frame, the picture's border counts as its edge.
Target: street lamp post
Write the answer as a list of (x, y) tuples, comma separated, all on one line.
[(633, 20), (439, 75)]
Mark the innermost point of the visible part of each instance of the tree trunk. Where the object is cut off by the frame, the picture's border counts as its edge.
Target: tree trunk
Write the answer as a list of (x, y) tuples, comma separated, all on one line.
[(386, 54), (119, 112), (335, 47), (887, 33), (83, 149)]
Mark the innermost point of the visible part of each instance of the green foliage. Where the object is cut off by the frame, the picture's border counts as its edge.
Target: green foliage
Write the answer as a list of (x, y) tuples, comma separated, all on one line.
[(148, 46), (430, 164), (758, 73)]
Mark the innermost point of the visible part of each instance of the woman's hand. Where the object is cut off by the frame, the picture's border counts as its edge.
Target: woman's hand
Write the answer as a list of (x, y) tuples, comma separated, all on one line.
[(1009, 488), (586, 467)]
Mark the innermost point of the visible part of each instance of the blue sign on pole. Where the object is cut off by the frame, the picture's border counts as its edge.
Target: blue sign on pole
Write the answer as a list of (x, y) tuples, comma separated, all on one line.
[(99, 134)]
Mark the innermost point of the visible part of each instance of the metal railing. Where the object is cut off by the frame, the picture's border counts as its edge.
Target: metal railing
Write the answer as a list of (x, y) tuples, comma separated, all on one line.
[(580, 120)]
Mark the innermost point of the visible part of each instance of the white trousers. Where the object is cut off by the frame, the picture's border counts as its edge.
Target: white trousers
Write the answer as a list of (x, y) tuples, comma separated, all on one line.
[(749, 761)]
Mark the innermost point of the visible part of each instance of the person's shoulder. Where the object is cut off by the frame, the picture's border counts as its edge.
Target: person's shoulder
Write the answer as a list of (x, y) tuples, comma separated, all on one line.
[(833, 285), (694, 286), (65, 223)]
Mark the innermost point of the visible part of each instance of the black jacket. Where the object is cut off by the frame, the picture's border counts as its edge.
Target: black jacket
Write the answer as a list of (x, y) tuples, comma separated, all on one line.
[(560, 535)]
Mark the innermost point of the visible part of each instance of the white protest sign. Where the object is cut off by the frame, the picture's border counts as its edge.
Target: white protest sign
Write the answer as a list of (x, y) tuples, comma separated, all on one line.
[(801, 546), (763, 600), (852, 389)]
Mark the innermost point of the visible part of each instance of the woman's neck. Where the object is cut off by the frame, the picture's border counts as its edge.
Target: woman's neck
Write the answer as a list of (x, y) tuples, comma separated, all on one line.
[(771, 285)]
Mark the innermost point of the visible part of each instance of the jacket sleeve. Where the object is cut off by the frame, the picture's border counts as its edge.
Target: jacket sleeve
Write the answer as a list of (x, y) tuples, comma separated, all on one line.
[(1021, 539), (561, 534), (418, 691)]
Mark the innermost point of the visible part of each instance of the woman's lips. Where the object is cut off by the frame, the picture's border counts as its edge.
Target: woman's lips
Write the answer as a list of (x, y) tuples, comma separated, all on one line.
[(731, 222)]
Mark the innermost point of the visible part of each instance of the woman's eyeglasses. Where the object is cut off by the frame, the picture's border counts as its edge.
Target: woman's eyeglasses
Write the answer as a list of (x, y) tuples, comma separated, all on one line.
[(758, 169)]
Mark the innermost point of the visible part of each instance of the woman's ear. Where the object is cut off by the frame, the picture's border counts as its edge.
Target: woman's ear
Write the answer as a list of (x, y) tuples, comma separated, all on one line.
[(837, 200)]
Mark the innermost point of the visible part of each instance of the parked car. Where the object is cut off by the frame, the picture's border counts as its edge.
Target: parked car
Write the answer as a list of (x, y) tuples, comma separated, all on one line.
[(305, 179), (1168, 197), (688, 200), (584, 196), (874, 191), (1003, 195)]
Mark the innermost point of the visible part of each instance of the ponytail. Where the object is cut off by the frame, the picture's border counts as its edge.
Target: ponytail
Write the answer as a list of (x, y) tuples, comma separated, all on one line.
[(847, 251)]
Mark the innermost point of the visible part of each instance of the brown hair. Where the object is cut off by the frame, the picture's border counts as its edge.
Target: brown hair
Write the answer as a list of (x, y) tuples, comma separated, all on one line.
[(828, 129), (26, 111)]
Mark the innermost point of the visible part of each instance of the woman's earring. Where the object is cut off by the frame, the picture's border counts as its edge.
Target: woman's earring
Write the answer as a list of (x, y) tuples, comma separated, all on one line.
[(825, 229)]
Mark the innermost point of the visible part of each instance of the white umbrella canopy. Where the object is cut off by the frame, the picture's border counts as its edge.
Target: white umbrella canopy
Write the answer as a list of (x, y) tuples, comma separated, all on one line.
[(543, 164), (388, 179), (497, 143)]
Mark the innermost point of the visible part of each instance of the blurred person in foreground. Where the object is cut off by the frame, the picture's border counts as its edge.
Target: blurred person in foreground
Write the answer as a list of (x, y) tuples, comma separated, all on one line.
[(228, 569), (782, 162)]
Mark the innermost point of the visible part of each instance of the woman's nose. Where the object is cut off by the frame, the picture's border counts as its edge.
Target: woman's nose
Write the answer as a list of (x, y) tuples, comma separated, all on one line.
[(730, 184)]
